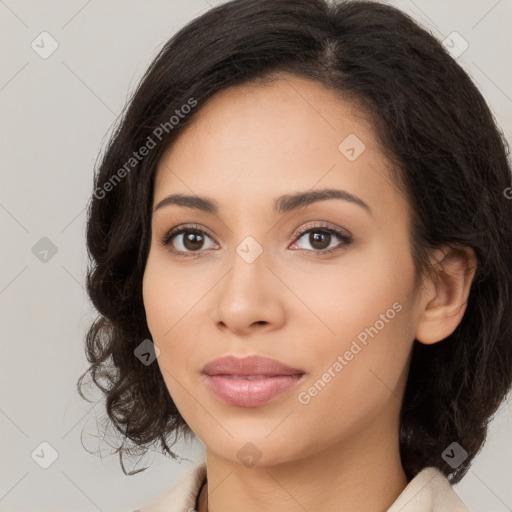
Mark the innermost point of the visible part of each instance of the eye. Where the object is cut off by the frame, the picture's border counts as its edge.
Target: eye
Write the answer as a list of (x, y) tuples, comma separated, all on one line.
[(186, 241), (322, 238), (191, 240)]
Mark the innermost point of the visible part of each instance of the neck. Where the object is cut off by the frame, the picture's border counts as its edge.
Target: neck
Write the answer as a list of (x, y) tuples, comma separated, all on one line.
[(363, 476)]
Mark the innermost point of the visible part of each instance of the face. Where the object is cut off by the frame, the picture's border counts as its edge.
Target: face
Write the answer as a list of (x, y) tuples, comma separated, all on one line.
[(324, 286)]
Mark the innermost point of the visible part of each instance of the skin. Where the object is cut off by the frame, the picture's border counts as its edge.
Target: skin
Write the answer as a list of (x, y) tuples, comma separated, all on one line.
[(249, 144)]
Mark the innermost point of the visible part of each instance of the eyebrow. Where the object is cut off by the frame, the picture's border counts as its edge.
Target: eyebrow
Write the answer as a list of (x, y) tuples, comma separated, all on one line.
[(283, 204)]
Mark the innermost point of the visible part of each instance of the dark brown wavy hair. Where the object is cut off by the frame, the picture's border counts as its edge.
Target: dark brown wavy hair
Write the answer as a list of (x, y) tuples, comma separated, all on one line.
[(450, 159)]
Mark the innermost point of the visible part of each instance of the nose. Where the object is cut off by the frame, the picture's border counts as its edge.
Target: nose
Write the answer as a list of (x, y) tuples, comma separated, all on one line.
[(250, 298)]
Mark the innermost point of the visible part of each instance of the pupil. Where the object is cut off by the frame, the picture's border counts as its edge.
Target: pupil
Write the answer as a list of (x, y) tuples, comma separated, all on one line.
[(319, 238), (193, 240)]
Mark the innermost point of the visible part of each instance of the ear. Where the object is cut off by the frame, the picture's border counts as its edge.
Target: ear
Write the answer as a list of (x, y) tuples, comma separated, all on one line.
[(445, 294)]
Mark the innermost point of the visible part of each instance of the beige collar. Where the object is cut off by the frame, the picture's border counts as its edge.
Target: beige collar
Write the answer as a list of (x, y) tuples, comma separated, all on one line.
[(428, 491)]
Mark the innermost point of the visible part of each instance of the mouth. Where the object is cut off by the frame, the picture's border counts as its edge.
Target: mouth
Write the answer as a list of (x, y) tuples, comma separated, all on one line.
[(250, 390), (250, 382)]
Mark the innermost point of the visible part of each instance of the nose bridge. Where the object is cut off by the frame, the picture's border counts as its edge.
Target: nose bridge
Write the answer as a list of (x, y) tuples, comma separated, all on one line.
[(249, 257), (248, 276), (248, 292)]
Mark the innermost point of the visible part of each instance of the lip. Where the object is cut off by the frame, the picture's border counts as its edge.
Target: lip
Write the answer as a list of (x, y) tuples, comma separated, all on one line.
[(250, 365), (266, 379)]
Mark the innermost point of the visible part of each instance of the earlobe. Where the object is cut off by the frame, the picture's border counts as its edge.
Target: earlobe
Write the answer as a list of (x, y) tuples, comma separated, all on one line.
[(445, 295)]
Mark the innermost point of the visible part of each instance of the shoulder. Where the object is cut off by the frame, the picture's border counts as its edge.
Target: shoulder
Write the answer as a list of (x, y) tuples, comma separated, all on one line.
[(182, 495), (428, 491)]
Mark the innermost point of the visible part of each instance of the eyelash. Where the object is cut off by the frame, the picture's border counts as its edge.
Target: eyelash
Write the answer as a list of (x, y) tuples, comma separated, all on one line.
[(345, 239)]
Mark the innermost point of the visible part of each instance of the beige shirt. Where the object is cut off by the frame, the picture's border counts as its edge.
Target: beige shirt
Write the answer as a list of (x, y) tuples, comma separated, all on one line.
[(428, 491)]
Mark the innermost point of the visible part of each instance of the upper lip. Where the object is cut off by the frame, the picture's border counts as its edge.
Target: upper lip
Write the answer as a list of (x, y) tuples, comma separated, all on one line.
[(251, 365)]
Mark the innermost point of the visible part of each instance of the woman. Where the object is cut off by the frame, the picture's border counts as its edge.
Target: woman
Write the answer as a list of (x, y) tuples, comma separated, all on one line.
[(301, 247)]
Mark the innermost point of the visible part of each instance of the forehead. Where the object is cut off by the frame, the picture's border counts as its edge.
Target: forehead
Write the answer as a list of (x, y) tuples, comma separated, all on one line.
[(267, 139)]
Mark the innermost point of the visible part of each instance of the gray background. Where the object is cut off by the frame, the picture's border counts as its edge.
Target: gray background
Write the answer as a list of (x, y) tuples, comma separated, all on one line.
[(56, 113)]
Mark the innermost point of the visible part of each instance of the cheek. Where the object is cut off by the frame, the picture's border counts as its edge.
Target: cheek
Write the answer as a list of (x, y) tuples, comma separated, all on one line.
[(169, 295), (363, 314), (164, 306), (356, 382), (341, 298), (170, 302)]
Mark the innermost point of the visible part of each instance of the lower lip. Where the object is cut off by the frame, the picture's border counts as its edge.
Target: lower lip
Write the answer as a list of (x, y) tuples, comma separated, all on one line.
[(250, 393)]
